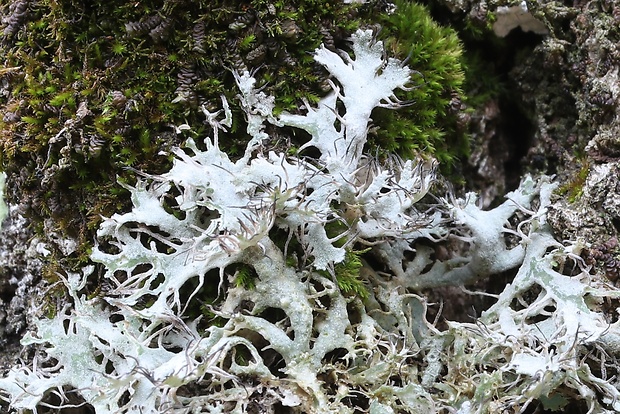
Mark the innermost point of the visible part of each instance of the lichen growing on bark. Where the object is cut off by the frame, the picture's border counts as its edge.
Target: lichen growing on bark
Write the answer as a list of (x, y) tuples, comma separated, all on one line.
[(347, 238), (294, 338)]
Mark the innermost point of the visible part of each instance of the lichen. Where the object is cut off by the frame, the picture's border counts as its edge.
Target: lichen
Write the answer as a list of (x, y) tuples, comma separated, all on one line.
[(295, 337), (282, 258), (3, 207)]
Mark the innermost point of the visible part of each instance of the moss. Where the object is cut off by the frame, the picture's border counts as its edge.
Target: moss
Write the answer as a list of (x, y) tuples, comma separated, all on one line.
[(348, 274), (482, 82), (245, 277), (572, 189), (429, 124)]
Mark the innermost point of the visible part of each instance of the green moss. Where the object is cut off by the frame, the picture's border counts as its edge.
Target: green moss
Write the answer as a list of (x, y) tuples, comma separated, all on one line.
[(245, 277), (573, 188), (348, 274), (482, 82), (429, 123)]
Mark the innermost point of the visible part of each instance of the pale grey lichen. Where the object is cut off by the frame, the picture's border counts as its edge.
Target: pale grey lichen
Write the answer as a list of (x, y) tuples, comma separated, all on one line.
[(294, 338), (4, 211), (511, 17)]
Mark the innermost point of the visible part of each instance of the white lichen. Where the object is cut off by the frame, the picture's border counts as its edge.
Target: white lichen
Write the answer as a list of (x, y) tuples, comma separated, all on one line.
[(221, 288), (4, 211), (511, 17)]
